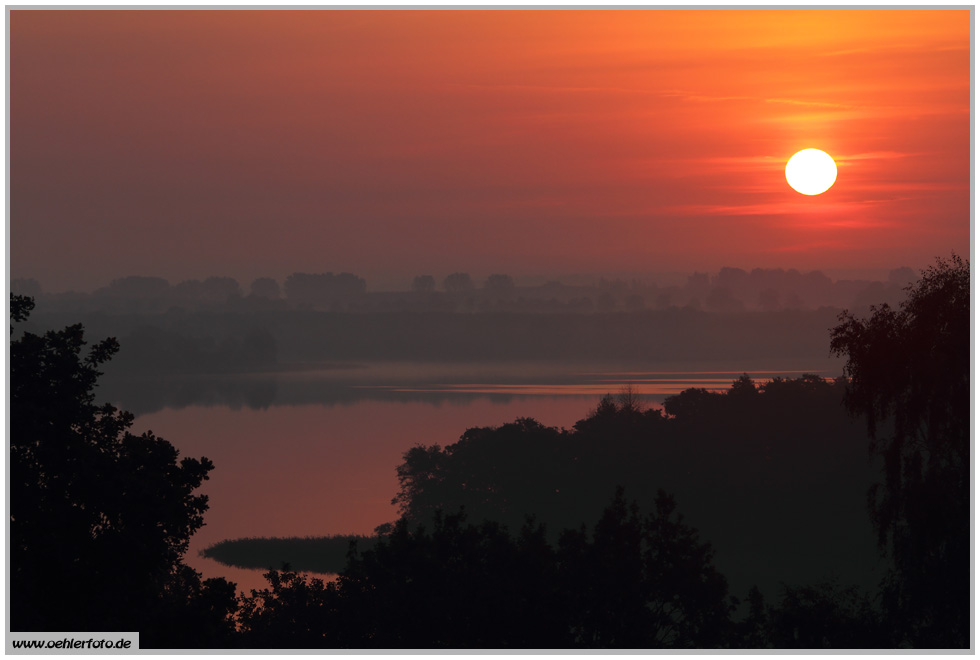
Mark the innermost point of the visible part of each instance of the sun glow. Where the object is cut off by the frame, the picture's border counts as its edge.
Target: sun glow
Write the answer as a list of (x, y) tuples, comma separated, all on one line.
[(811, 171)]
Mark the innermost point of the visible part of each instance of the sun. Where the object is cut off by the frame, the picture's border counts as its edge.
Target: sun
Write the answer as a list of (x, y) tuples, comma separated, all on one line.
[(811, 171)]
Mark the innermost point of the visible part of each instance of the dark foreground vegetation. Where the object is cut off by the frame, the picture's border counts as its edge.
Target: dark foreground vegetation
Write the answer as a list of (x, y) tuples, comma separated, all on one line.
[(100, 518), (736, 461)]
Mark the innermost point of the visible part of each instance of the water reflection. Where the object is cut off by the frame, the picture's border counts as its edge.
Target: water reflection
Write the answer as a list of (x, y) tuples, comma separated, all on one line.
[(314, 470), (428, 383), (313, 451)]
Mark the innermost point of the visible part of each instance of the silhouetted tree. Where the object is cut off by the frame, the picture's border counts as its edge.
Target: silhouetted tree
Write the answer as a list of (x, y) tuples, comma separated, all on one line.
[(134, 293), (189, 291), (624, 417), (294, 611), (99, 518), (192, 613), (754, 631), (500, 285), (633, 581), (322, 289), (691, 405), (784, 451), (136, 286), (220, 289), (458, 283), (453, 585), (643, 581), (825, 616), (909, 372), (487, 471), (424, 284), (265, 287), (743, 386)]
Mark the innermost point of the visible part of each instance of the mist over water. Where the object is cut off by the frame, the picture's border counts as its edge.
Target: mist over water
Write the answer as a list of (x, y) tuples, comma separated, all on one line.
[(308, 414), (530, 301)]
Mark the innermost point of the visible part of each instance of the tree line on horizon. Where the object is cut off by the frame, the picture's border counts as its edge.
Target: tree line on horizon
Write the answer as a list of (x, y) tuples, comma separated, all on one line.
[(101, 517), (728, 290)]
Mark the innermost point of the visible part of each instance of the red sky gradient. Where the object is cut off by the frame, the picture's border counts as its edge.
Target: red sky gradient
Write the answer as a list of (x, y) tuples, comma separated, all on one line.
[(185, 144)]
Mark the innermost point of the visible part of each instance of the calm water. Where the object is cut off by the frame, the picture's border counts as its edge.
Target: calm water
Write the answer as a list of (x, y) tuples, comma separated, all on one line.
[(314, 452)]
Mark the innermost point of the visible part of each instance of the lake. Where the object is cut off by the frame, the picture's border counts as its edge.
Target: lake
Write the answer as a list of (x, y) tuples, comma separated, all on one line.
[(313, 452)]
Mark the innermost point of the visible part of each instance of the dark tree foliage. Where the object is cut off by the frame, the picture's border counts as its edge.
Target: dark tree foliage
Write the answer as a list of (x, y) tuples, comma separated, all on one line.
[(624, 416), (768, 463), (824, 616), (787, 432), (99, 518), (322, 289), (754, 630), (487, 488), (212, 290), (424, 284), (633, 582), (458, 283), (136, 286), (295, 611), (909, 372), (643, 581), (265, 287), (499, 284), (456, 586)]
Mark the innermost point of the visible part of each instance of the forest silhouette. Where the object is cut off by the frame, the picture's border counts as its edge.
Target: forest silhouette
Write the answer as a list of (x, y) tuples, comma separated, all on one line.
[(527, 536), (728, 290), (216, 326)]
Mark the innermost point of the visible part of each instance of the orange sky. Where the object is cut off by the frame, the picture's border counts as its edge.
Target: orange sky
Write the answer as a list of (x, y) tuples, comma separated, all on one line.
[(185, 144)]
